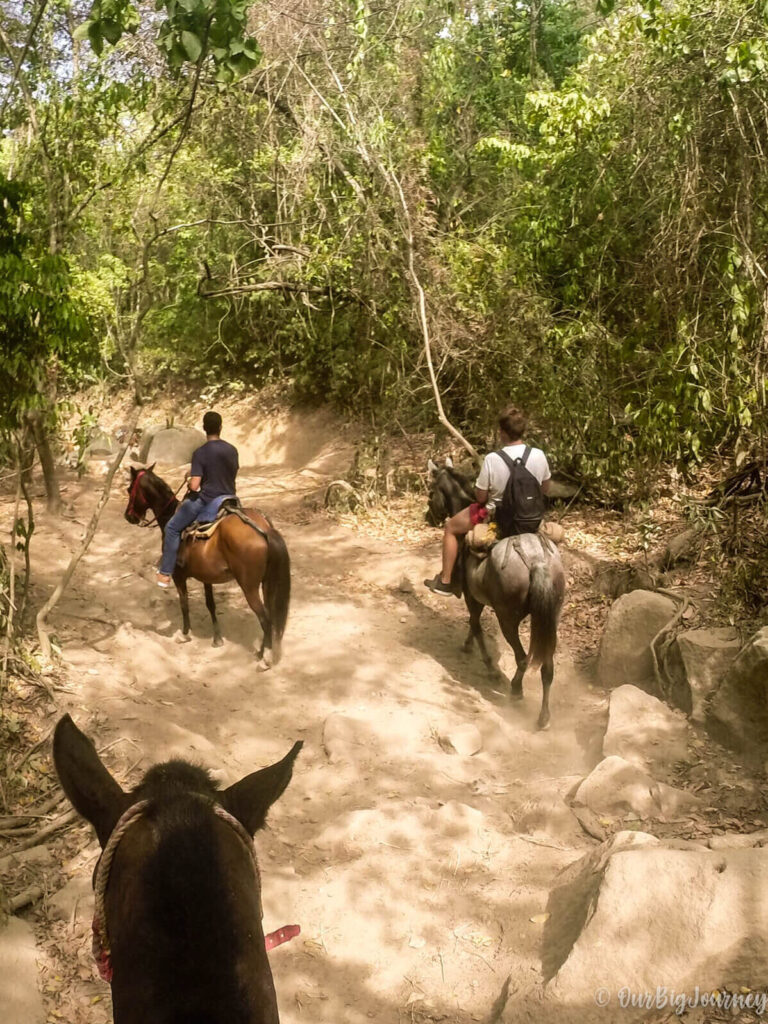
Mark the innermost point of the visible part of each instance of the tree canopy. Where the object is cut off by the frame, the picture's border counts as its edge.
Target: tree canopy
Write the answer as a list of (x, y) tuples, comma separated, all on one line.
[(217, 188)]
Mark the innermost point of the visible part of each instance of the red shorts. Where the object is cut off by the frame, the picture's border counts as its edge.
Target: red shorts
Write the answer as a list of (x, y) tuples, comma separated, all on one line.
[(477, 513)]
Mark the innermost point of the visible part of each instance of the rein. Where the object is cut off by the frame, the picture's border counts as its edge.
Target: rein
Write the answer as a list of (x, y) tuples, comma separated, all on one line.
[(100, 945)]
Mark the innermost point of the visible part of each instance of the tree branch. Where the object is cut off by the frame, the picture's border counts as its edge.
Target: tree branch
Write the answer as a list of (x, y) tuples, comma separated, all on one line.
[(42, 616)]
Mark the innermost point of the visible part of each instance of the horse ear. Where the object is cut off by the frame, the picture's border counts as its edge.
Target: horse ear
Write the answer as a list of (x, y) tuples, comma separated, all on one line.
[(134, 471), (449, 461), (250, 798), (150, 468), (431, 466), (90, 787)]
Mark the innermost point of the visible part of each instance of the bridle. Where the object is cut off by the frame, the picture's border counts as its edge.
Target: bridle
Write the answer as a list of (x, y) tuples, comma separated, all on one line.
[(133, 494), (100, 945)]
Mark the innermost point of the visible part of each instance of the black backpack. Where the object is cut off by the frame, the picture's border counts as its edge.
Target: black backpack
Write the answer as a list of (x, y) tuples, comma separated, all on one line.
[(522, 504)]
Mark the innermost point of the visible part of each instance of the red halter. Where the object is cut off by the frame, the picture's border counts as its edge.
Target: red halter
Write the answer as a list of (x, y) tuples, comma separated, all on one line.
[(131, 511)]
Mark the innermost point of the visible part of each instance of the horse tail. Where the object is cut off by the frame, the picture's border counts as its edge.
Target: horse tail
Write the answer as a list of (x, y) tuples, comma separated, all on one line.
[(277, 588), (544, 605)]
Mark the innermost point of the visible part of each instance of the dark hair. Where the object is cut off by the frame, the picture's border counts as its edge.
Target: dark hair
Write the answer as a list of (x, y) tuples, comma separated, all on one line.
[(212, 423), (513, 422)]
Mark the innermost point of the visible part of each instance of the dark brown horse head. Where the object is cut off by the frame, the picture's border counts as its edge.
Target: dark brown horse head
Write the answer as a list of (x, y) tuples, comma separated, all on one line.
[(146, 491), (449, 492), (177, 885)]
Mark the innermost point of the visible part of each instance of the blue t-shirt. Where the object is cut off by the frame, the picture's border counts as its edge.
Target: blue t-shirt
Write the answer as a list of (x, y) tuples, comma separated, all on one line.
[(217, 463)]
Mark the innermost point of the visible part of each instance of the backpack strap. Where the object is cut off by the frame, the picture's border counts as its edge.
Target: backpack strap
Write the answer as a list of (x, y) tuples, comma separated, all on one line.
[(526, 453), (506, 459)]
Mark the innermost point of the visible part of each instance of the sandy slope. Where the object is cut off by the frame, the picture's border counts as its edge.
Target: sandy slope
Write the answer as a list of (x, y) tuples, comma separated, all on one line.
[(400, 861)]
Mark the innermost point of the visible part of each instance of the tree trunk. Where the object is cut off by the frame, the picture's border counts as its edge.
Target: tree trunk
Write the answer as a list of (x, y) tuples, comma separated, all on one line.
[(42, 443)]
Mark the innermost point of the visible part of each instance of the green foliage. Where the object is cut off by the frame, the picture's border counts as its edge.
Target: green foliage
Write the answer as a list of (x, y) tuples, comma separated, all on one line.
[(38, 319), (587, 192), (190, 31)]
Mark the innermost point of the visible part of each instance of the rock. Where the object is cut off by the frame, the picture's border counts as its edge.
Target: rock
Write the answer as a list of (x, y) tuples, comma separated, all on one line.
[(348, 739), (706, 655), (641, 915), (20, 998), (172, 445), (463, 739), (739, 840), (101, 444), (560, 487), (405, 586), (616, 787), (738, 710), (679, 548), (644, 731), (625, 654), (551, 818), (613, 581), (73, 901)]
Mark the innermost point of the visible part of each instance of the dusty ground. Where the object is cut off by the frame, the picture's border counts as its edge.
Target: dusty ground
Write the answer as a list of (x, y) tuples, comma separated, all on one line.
[(417, 898)]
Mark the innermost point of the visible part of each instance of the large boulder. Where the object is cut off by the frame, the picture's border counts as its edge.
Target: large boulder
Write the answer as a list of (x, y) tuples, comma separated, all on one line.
[(738, 710), (644, 731), (620, 789), (172, 445), (101, 444), (20, 999), (636, 914), (706, 655), (625, 653)]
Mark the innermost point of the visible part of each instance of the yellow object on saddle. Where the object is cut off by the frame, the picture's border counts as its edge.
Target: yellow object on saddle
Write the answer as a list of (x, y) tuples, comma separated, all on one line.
[(482, 537)]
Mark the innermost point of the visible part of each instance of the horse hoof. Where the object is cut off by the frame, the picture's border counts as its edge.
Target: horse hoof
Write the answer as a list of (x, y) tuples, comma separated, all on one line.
[(181, 638), (516, 694), (263, 665), (543, 727), (218, 642)]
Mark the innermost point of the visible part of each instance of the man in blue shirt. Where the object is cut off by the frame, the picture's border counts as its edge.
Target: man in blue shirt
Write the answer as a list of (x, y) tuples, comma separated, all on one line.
[(214, 469)]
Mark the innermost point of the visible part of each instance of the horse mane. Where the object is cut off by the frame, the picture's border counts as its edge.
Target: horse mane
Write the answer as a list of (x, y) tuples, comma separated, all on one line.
[(190, 900), (175, 775), (450, 492), (162, 489)]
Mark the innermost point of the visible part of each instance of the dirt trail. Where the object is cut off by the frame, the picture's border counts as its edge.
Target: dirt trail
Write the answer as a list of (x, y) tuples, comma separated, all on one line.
[(400, 861)]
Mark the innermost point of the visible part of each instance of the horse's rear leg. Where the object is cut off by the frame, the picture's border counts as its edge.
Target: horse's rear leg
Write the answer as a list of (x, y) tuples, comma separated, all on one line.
[(264, 654), (547, 675), (210, 604), (181, 587), (510, 630)]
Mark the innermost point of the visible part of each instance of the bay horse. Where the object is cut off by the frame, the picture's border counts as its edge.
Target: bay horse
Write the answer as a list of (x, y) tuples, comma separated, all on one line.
[(177, 928), (252, 553), (520, 576)]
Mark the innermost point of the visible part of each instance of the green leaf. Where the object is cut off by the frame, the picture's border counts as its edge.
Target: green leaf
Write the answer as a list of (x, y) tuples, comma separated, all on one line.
[(111, 30), (82, 31), (96, 38), (192, 45)]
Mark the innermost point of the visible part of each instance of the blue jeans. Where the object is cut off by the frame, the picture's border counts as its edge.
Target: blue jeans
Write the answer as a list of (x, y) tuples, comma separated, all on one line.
[(187, 512)]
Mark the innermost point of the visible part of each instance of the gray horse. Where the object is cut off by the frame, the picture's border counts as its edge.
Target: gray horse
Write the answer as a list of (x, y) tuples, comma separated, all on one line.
[(521, 576)]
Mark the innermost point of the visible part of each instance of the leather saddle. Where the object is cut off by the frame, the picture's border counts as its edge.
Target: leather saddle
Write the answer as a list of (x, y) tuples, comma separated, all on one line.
[(202, 531)]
